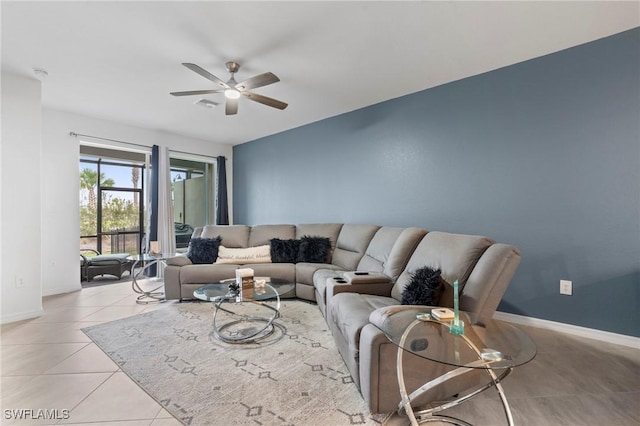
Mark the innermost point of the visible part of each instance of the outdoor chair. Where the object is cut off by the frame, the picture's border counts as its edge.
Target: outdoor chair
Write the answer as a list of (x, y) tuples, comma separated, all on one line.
[(103, 264)]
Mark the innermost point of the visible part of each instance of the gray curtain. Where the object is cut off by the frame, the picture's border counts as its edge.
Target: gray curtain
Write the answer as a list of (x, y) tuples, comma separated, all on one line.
[(153, 225), (222, 206)]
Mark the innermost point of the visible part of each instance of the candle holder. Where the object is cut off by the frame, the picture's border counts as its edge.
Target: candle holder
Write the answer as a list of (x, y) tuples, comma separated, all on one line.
[(457, 326)]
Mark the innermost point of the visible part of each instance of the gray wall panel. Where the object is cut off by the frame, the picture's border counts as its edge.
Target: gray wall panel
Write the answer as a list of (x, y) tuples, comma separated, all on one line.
[(544, 155)]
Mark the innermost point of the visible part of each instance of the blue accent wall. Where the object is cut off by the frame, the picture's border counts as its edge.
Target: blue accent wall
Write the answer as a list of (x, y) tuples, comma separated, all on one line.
[(544, 155)]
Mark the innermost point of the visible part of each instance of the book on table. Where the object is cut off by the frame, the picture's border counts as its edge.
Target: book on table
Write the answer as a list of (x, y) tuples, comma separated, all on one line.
[(442, 314)]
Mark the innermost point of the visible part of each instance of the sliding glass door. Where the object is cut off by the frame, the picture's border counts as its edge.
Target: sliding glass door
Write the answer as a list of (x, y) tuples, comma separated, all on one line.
[(193, 194)]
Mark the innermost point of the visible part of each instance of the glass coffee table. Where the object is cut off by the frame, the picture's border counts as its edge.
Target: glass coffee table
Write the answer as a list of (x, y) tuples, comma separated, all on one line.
[(492, 346), (238, 319)]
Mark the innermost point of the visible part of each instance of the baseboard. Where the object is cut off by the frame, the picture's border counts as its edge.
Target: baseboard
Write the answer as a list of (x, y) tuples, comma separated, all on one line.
[(591, 333), (19, 316), (60, 290)]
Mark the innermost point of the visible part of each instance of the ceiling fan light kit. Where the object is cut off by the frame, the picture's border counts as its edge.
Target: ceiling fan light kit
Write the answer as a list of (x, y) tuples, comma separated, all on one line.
[(233, 90), (232, 94)]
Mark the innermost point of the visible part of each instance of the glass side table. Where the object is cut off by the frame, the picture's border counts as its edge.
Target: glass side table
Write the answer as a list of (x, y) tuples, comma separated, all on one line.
[(147, 296), (492, 346)]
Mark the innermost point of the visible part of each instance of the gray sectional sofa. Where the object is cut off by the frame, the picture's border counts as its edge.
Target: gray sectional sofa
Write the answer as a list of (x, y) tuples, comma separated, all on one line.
[(358, 308)]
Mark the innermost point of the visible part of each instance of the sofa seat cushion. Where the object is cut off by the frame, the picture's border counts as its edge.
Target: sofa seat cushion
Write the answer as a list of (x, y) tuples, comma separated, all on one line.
[(320, 279), (206, 274), (305, 271), (179, 260), (349, 312), (283, 271)]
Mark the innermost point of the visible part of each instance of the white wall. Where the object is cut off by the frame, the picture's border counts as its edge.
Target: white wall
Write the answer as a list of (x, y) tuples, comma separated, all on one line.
[(61, 235), (21, 189), (39, 186), (60, 212)]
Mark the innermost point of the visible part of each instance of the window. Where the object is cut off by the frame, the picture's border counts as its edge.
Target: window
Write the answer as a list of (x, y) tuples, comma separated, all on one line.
[(111, 200)]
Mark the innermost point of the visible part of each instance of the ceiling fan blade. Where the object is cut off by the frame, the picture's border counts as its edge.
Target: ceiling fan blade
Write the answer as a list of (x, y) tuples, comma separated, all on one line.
[(258, 81), (265, 100), (206, 74), (195, 92), (231, 107)]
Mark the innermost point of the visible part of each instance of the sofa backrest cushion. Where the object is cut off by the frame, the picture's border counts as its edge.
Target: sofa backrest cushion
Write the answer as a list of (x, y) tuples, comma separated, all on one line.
[(454, 254), (262, 234), (197, 232), (352, 242), (233, 236), (329, 230), (377, 252), (497, 266), (401, 251)]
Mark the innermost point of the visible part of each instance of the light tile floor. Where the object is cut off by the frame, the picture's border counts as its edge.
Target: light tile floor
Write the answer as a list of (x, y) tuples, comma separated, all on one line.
[(49, 363)]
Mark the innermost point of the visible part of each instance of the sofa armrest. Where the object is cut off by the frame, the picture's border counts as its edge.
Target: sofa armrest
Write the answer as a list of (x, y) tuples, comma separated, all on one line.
[(358, 282), (180, 260), (172, 287), (337, 285), (377, 289), (391, 319), (362, 277)]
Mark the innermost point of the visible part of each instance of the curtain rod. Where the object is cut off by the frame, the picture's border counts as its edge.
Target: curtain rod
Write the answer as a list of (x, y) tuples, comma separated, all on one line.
[(195, 154), (75, 135)]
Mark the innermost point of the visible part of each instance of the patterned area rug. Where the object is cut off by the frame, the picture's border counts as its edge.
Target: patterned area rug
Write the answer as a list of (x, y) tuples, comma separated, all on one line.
[(293, 377)]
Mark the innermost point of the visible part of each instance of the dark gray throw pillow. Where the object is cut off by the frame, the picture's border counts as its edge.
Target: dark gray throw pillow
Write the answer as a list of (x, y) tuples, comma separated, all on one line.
[(203, 250), (284, 251), (314, 249), (424, 288)]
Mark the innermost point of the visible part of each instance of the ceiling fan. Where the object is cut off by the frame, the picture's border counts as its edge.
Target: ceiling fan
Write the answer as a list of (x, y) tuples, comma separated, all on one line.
[(233, 90)]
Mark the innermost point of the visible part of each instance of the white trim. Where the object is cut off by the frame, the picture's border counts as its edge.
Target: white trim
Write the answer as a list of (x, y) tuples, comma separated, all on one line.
[(19, 316), (180, 155), (125, 146), (590, 333)]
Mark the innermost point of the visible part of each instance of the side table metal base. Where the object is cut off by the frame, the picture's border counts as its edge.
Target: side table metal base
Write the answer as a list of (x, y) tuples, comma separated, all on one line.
[(150, 296), (430, 415)]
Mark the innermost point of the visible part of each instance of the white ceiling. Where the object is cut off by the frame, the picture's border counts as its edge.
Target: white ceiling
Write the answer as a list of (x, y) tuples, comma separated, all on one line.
[(119, 60)]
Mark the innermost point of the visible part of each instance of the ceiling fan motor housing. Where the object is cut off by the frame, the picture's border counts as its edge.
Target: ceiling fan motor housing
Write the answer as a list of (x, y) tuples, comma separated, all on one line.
[(232, 67)]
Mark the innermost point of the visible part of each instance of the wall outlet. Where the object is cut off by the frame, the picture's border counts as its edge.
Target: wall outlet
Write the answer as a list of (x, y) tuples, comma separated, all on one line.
[(566, 287), (19, 282)]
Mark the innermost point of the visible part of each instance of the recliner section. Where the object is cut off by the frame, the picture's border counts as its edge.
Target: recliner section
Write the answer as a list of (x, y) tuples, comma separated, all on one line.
[(358, 318)]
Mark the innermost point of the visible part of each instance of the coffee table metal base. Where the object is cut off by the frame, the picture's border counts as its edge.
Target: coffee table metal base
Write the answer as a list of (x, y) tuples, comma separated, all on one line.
[(244, 317), (244, 329)]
